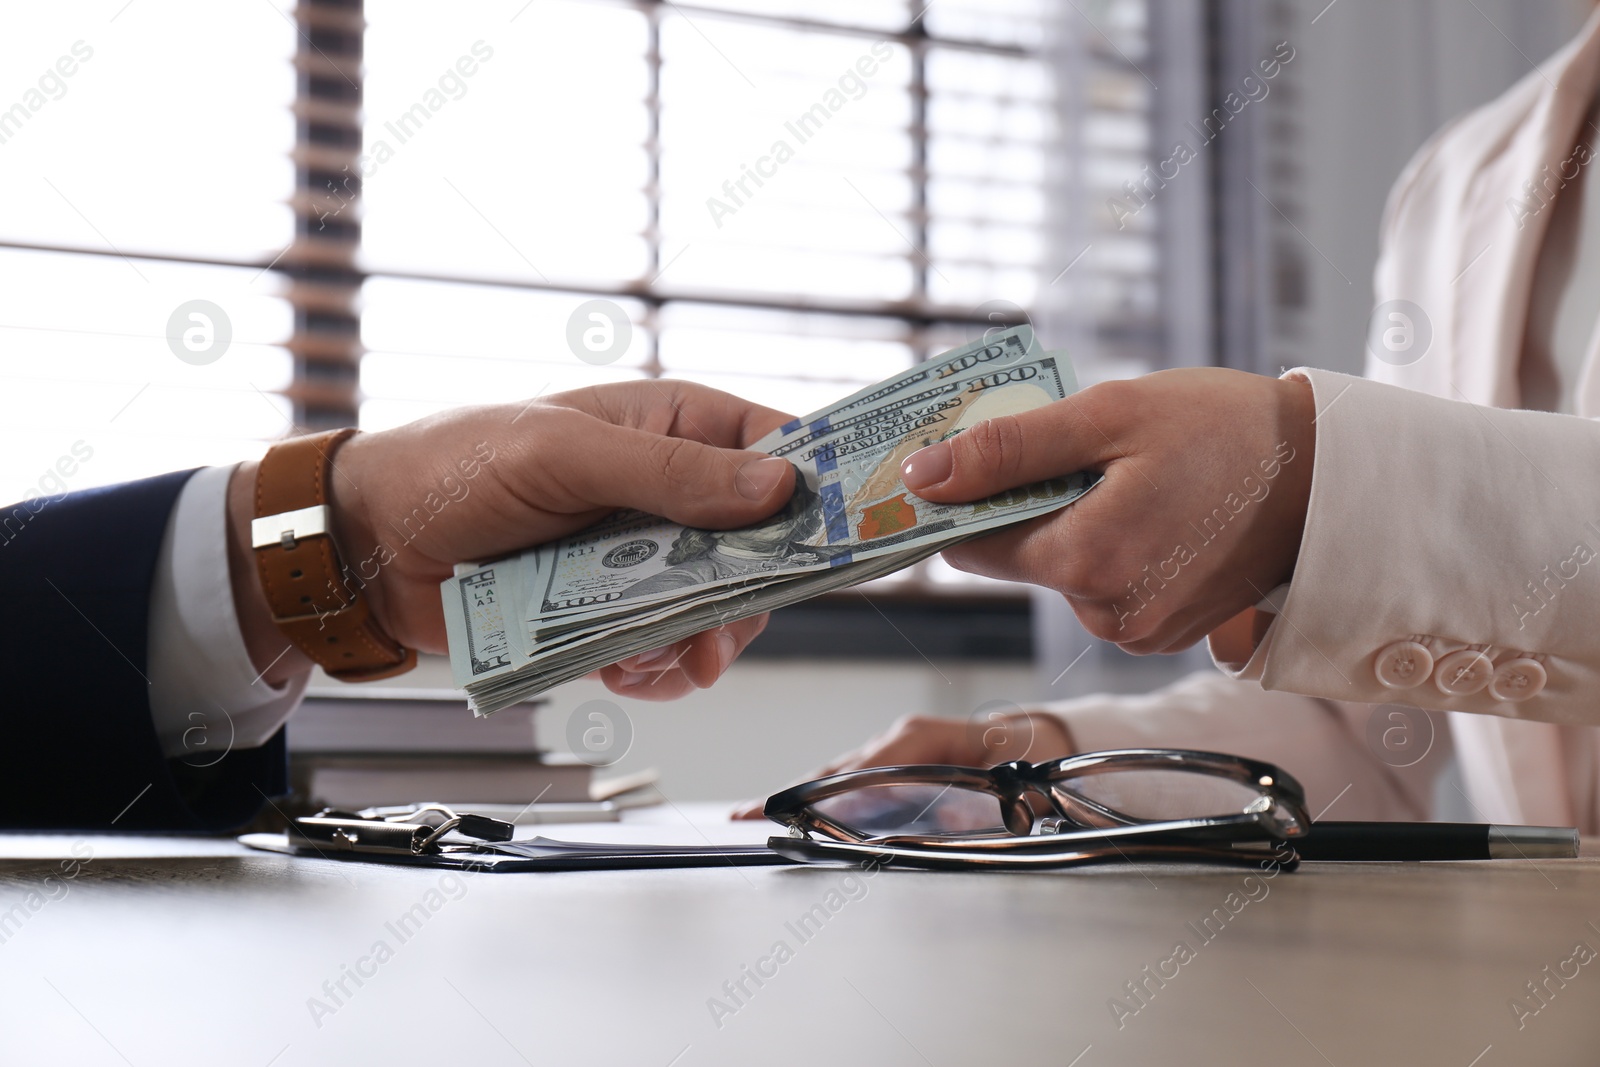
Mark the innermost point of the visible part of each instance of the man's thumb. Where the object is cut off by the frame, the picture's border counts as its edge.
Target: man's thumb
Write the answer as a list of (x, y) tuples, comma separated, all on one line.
[(698, 484)]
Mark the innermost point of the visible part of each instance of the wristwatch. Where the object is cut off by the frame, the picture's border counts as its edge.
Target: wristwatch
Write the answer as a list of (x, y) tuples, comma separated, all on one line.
[(315, 604)]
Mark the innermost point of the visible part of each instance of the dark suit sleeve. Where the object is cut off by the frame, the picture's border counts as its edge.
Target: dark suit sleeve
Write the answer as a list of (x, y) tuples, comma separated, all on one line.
[(78, 746)]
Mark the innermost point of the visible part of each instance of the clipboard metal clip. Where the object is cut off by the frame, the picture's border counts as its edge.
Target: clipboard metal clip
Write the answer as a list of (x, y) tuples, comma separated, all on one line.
[(415, 832)]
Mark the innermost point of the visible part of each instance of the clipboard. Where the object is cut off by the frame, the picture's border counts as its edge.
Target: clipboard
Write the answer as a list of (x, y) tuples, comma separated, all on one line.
[(438, 837)]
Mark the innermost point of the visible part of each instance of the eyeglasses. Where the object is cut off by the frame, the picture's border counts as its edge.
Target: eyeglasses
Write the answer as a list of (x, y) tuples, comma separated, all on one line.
[(1134, 804)]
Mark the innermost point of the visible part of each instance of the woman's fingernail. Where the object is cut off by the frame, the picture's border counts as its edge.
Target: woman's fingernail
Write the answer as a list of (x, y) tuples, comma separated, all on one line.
[(927, 467), (645, 659), (757, 479), (727, 649), (631, 678)]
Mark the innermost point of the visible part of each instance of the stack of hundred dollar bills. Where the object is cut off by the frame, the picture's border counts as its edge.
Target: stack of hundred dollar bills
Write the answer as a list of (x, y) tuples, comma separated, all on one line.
[(634, 582)]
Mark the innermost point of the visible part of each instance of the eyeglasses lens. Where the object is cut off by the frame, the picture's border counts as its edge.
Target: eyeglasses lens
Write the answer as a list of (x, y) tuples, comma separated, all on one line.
[(1166, 794), (878, 811)]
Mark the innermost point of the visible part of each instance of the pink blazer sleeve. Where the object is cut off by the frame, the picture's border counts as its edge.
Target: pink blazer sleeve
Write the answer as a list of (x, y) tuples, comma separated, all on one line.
[(1451, 559)]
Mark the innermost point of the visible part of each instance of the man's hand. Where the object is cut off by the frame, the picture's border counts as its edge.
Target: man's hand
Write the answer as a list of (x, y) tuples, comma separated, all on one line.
[(1199, 516), (477, 483)]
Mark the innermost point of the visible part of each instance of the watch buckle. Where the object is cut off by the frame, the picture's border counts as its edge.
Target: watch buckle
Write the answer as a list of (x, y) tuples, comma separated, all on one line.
[(286, 528)]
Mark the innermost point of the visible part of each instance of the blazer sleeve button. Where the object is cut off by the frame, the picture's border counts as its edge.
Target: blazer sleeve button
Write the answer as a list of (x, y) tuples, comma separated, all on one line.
[(1518, 679), (1463, 672), (1403, 664)]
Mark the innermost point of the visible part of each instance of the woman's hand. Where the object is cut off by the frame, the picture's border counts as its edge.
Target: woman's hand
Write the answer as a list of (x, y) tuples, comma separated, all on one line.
[(1199, 515), (1035, 736)]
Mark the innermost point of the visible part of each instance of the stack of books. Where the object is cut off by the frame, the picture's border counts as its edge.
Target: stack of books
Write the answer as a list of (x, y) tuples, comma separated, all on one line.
[(384, 747)]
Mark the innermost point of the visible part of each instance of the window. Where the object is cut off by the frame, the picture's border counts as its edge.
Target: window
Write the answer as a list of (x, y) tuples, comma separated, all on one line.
[(400, 207), (787, 201), (144, 163)]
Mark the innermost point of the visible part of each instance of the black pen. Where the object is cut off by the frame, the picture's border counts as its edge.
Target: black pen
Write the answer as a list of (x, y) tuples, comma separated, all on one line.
[(1434, 841)]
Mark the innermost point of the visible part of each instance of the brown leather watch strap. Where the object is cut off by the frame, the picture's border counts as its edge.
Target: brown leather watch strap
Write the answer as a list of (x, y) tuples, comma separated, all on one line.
[(301, 575)]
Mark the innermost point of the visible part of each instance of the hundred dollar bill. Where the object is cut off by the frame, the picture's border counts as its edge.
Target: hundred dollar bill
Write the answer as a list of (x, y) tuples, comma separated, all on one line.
[(634, 582), (849, 504), (476, 627), (565, 659)]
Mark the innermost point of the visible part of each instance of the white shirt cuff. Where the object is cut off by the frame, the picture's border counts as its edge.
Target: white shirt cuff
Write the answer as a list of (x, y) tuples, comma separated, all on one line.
[(206, 697)]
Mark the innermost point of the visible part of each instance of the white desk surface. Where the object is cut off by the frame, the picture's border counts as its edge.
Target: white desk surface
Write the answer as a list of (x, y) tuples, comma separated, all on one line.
[(192, 951)]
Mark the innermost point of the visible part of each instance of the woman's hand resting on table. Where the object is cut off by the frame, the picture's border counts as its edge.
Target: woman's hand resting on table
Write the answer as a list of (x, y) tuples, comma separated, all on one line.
[(1035, 736)]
